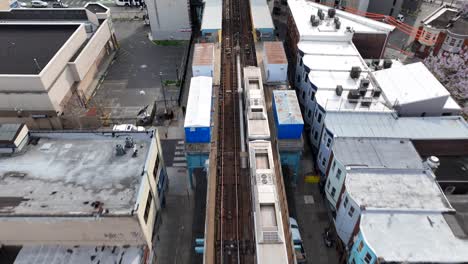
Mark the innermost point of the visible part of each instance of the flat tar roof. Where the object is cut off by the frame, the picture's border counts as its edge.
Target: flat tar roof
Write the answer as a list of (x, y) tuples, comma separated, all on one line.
[(396, 190), (27, 49), (377, 153), (56, 254), (371, 124), (410, 83), (64, 173), (412, 238)]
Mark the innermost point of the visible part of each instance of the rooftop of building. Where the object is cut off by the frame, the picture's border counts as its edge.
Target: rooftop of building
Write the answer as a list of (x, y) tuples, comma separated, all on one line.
[(410, 83), (345, 48), (261, 15), (446, 17), (274, 52), (96, 7), (48, 14), (302, 10), (377, 153), (55, 254), (73, 173), (29, 48), (287, 107), (389, 125), (331, 101), (212, 15), (198, 112), (396, 190), (203, 54), (412, 238), (460, 225), (333, 62)]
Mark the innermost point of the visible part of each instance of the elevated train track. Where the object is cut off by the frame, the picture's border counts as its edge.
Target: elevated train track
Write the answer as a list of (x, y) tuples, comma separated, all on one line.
[(235, 241)]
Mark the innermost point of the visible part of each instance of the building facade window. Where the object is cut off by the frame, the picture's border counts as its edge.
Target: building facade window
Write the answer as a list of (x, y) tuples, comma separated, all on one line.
[(316, 135), (338, 174), (351, 211), (328, 184), (149, 201), (312, 96), (368, 258), (333, 191), (319, 119), (334, 165), (360, 246), (452, 42), (303, 95), (328, 142), (309, 113), (298, 78), (323, 162), (156, 167), (345, 203)]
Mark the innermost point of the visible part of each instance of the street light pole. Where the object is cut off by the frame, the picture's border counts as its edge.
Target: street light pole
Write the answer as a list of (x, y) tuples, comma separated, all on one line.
[(164, 92)]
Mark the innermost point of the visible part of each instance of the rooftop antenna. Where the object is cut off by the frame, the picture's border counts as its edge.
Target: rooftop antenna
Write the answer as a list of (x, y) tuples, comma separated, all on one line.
[(37, 64)]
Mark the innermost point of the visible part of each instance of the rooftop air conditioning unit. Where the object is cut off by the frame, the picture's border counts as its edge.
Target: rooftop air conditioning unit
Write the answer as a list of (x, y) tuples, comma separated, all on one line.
[(353, 96), (376, 92), (316, 23), (312, 18), (331, 13), (387, 64), (320, 14), (355, 72), (364, 83), (337, 25), (336, 19), (366, 101), (339, 90)]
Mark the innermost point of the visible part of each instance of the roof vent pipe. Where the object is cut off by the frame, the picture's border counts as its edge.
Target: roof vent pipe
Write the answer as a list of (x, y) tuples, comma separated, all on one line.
[(432, 163)]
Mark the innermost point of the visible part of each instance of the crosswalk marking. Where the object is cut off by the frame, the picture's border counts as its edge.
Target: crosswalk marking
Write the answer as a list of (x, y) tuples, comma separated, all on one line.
[(180, 147), (180, 158)]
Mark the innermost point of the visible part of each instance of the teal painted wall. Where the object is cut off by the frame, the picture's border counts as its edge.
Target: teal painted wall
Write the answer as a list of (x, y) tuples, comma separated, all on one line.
[(359, 256)]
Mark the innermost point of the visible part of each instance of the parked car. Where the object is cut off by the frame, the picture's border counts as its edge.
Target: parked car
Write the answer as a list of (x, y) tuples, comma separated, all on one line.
[(22, 4), (59, 5), (297, 241), (400, 18), (38, 4), (128, 127)]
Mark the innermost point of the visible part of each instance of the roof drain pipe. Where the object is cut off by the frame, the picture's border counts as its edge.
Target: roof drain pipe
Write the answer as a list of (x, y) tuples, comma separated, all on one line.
[(240, 92)]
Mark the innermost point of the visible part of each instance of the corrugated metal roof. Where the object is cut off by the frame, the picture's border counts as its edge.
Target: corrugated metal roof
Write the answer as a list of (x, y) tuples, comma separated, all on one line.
[(51, 254), (368, 124), (261, 16), (274, 52), (212, 15), (198, 112), (203, 54), (287, 107)]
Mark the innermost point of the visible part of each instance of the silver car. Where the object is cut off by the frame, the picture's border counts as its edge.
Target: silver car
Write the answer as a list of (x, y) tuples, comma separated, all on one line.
[(38, 4)]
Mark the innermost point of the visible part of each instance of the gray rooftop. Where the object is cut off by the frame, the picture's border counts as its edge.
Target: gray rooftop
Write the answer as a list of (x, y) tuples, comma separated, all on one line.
[(65, 173), (368, 124), (377, 153), (27, 49), (48, 254), (396, 190)]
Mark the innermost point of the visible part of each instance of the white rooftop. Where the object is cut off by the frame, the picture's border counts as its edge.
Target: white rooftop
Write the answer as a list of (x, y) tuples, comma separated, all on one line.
[(410, 83), (345, 48), (261, 15), (212, 15), (198, 113), (372, 124), (65, 173), (396, 190), (377, 153), (330, 101), (48, 254), (319, 62), (301, 11), (412, 237)]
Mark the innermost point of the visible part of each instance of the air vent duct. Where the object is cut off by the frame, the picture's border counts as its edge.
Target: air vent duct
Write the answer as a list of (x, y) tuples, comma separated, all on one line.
[(339, 90), (331, 13), (355, 72)]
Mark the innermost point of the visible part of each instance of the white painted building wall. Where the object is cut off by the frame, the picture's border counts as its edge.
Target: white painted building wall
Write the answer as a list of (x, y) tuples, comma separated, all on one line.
[(346, 218), (334, 184)]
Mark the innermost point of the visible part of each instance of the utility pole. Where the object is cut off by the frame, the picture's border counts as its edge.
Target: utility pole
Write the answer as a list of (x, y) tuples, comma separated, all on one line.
[(164, 92)]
